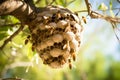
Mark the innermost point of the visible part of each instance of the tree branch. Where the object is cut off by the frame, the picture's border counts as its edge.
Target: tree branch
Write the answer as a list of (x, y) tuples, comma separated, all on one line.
[(31, 4), (94, 14), (118, 1), (17, 8), (88, 5), (37, 1), (11, 37), (112, 20)]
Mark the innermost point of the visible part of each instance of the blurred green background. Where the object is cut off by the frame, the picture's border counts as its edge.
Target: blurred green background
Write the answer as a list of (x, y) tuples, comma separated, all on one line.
[(98, 58)]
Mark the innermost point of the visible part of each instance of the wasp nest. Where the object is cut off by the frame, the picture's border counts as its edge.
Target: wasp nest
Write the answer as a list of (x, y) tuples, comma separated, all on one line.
[(55, 35)]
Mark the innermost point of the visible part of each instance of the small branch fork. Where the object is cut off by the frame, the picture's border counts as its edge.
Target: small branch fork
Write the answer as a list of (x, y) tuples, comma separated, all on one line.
[(11, 37), (94, 14), (112, 20)]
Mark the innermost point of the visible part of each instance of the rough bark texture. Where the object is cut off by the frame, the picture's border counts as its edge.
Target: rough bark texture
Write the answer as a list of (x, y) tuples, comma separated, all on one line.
[(17, 8)]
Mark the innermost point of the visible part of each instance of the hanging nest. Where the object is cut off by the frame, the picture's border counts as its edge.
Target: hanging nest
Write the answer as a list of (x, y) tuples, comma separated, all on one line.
[(55, 35)]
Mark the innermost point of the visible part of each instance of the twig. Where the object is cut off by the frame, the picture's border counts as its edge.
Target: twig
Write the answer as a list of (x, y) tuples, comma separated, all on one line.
[(37, 1), (101, 10), (12, 36), (94, 14), (70, 2), (88, 5), (107, 18), (114, 26), (14, 65), (30, 3), (117, 13), (118, 1), (112, 20), (81, 11), (52, 2)]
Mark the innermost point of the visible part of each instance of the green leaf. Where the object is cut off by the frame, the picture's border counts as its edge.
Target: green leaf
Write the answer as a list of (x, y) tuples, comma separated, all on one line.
[(5, 28), (4, 17), (62, 2), (13, 19), (3, 35), (99, 7), (30, 53), (110, 4), (102, 6), (112, 13)]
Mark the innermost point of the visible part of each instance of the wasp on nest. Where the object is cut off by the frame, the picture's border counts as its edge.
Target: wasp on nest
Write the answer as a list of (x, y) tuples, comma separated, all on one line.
[(55, 35)]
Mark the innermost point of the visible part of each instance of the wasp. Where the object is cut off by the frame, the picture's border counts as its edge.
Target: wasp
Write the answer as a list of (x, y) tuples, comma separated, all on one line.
[(70, 65), (84, 19), (67, 46), (56, 16), (33, 47), (73, 55), (27, 40), (76, 13)]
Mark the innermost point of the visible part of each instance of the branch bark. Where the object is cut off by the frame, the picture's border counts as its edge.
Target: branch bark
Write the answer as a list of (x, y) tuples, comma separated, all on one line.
[(17, 8), (25, 11)]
